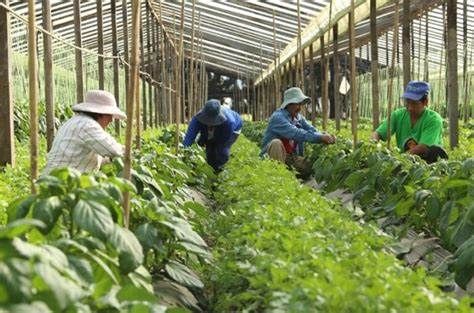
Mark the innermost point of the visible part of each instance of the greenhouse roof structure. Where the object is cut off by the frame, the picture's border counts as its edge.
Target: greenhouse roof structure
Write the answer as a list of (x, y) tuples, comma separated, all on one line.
[(237, 36)]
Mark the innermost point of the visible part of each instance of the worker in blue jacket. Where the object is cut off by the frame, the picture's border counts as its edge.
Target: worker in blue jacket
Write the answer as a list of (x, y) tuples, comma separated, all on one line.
[(219, 128), (288, 130)]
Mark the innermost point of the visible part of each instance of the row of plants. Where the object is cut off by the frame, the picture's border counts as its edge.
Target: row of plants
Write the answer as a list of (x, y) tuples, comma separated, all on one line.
[(282, 247), (403, 190), (66, 247)]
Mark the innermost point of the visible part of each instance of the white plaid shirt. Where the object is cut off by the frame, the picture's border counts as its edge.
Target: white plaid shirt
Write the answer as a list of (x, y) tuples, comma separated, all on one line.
[(81, 143)]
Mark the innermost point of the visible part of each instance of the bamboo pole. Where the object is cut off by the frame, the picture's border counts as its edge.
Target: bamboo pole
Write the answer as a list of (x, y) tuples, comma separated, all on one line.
[(33, 94), (150, 66), (100, 43), (191, 103), (125, 45), (144, 91), (277, 68), (392, 69), (132, 97), (324, 80), (337, 80), (299, 61), (426, 63), (7, 138), (78, 52), (452, 57), (312, 84), (374, 64), (419, 50), (115, 62), (48, 74), (353, 70), (464, 66), (178, 78)]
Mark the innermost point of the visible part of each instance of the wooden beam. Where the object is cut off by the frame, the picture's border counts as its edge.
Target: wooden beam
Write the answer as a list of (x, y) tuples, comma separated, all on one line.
[(391, 73), (374, 64), (115, 62), (7, 139), (125, 47), (133, 96), (324, 85), (48, 74), (406, 43), (452, 58), (353, 70), (336, 80), (33, 94), (78, 52), (100, 43)]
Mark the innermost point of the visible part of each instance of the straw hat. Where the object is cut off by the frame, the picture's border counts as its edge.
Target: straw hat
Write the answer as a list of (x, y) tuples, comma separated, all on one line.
[(294, 95), (211, 114), (100, 101)]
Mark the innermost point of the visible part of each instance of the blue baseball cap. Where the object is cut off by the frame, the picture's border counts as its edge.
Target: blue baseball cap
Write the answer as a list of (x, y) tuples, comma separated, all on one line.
[(211, 114), (416, 90)]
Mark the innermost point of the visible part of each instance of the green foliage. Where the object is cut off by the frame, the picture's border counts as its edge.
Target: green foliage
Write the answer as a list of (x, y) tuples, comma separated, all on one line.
[(281, 247)]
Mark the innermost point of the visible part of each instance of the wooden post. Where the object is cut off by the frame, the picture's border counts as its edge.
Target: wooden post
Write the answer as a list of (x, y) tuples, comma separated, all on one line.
[(277, 65), (100, 43), (125, 46), (191, 102), (133, 96), (336, 80), (178, 78), (426, 69), (392, 72), (33, 94), (145, 113), (78, 52), (464, 67), (452, 62), (374, 64), (312, 83), (7, 138), (115, 61), (324, 79), (406, 43), (353, 75), (299, 63), (150, 67), (48, 74)]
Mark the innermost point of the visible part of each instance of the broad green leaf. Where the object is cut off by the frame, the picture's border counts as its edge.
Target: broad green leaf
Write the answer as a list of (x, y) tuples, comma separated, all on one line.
[(15, 278), (36, 307), (403, 208), (66, 292), (133, 293), (20, 208), (48, 211), (199, 250), (176, 295), (184, 231), (464, 266), (129, 248), (455, 183), (183, 275), (147, 234), (464, 228), (82, 267), (19, 227), (94, 218)]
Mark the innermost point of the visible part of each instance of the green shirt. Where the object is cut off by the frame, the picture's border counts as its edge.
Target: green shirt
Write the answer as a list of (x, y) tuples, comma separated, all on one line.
[(427, 130)]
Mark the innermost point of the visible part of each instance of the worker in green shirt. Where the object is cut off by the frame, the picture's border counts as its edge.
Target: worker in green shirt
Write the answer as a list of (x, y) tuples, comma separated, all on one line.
[(418, 130)]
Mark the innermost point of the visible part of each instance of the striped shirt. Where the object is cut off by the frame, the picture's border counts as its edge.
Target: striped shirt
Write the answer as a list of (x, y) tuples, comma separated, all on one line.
[(81, 143)]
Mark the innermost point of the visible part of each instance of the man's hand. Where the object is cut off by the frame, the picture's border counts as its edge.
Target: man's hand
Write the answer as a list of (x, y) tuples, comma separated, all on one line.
[(328, 139)]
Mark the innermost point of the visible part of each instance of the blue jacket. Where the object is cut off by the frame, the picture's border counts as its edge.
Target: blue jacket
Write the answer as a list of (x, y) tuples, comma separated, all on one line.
[(217, 147), (281, 126)]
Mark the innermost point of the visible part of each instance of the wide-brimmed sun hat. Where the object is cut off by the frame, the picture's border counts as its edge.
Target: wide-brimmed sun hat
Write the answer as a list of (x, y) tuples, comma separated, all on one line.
[(211, 114), (416, 90), (100, 101), (294, 95)]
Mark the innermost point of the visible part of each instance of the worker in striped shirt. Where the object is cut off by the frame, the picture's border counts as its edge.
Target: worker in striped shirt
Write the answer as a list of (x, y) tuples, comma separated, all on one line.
[(82, 142)]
